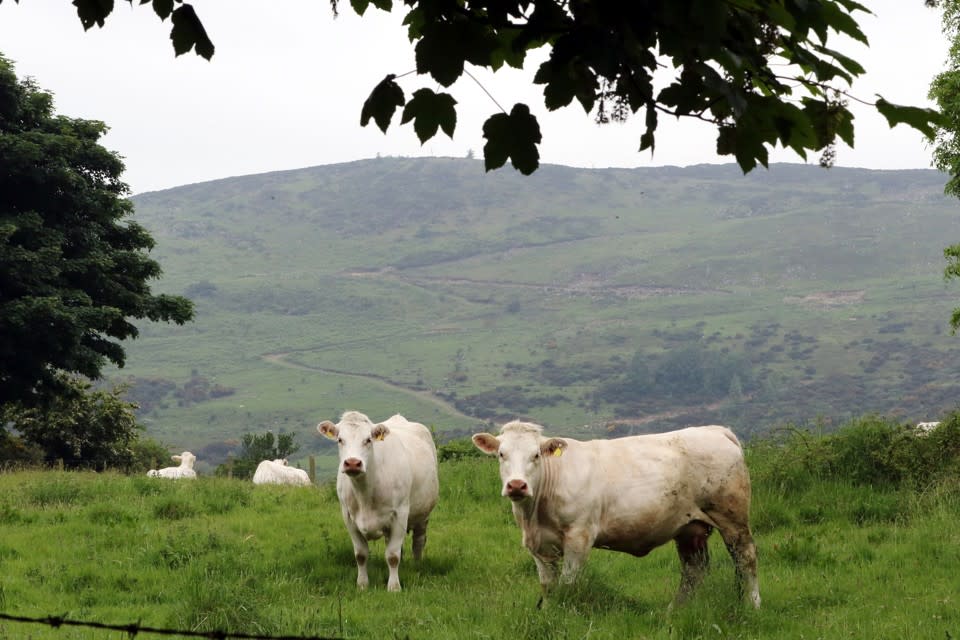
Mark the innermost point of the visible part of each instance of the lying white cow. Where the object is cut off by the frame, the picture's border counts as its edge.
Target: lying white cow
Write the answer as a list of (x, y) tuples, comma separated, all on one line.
[(627, 494), (278, 472), (185, 470), (924, 428), (387, 485)]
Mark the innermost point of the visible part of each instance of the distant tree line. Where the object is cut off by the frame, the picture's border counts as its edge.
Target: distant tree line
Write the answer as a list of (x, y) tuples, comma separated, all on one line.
[(152, 393), (692, 373)]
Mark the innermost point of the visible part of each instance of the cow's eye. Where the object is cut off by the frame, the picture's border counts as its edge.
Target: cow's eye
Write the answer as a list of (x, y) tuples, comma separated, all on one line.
[(339, 440), (502, 457), (536, 456), (368, 441)]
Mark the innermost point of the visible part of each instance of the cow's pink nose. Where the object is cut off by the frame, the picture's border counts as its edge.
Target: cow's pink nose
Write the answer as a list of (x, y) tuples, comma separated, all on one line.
[(517, 489), (352, 466)]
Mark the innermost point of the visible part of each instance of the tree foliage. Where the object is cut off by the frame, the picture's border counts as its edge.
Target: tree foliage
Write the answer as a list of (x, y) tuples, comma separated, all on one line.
[(764, 72), (86, 428), (73, 273), (945, 91)]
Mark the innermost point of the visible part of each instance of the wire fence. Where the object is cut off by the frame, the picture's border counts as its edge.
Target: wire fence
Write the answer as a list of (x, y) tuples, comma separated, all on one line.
[(134, 629)]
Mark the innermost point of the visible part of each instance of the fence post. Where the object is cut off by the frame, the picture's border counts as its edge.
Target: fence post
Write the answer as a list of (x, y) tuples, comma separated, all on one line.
[(312, 472)]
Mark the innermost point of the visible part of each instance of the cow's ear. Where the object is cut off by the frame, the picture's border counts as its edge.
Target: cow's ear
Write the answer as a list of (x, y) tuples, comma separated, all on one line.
[(486, 443), (176, 457), (553, 447), (328, 429), (380, 432)]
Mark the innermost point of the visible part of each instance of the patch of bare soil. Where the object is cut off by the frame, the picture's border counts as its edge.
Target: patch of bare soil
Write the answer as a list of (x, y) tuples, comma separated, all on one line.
[(829, 298)]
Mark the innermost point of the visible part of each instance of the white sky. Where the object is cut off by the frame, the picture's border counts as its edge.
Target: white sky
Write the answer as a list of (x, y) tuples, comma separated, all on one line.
[(285, 88)]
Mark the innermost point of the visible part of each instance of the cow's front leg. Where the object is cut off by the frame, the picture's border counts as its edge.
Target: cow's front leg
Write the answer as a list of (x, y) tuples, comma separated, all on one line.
[(394, 544), (547, 570), (576, 547), (361, 550)]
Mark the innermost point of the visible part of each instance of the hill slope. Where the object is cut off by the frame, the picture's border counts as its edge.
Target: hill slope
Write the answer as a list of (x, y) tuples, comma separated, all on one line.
[(621, 299)]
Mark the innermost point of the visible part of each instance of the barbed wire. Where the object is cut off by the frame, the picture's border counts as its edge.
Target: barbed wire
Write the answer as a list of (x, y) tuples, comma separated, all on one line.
[(136, 628)]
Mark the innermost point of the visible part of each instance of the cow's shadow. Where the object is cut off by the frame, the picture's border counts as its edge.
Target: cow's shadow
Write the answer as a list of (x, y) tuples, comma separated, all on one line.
[(591, 593)]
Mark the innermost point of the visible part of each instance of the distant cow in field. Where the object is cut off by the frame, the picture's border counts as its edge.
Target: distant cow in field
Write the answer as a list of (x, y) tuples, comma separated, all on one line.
[(185, 470), (387, 485), (627, 494), (279, 472), (923, 428)]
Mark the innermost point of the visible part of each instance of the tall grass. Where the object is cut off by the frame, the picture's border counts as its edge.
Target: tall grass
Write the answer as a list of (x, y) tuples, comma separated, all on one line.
[(841, 556)]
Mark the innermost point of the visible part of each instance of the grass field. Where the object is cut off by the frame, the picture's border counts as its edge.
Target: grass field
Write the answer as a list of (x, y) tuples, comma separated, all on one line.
[(838, 559)]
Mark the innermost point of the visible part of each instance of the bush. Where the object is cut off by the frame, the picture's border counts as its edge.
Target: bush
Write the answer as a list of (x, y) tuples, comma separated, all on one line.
[(458, 449), (871, 451)]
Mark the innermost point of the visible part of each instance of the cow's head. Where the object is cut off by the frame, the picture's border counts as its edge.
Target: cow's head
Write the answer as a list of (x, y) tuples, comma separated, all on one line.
[(355, 434), (521, 449)]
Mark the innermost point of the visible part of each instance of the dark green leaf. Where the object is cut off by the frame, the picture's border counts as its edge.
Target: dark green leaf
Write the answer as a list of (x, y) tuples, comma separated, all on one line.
[(430, 111), (93, 12), (188, 33), (439, 55), (514, 136), (382, 103), (923, 120), (360, 6), (647, 140), (162, 8)]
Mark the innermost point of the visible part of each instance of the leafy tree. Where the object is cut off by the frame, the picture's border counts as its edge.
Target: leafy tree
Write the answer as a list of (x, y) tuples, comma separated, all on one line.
[(85, 428), (945, 91), (762, 71), (254, 448), (72, 273)]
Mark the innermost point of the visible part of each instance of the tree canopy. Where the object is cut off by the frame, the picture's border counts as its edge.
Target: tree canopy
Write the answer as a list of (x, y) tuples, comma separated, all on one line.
[(764, 72), (945, 91), (73, 273), (83, 429)]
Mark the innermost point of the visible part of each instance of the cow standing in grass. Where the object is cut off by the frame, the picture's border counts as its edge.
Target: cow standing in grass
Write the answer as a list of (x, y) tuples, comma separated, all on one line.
[(627, 494), (387, 484)]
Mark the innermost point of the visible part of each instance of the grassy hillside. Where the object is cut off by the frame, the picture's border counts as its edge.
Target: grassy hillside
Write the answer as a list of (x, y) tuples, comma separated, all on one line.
[(601, 301), (848, 548)]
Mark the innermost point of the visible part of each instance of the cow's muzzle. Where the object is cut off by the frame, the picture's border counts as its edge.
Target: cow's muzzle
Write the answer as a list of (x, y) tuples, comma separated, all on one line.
[(353, 466), (516, 490)]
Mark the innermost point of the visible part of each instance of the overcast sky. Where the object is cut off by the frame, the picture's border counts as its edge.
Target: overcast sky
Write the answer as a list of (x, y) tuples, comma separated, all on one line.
[(285, 88)]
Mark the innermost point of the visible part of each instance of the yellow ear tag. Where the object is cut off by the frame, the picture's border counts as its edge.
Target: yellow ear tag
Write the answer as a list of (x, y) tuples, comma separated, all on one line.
[(558, 452), (380, 436)]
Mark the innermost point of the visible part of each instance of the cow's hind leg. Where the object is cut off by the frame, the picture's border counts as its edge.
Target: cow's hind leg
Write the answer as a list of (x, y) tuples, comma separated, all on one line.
[(694, 552), (419, 539), (739, 541)]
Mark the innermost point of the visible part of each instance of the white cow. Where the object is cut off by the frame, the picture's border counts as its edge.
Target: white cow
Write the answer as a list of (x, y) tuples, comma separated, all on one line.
[(387, 485), (185, 470), (627, 494), (924, 428), (278, 472)]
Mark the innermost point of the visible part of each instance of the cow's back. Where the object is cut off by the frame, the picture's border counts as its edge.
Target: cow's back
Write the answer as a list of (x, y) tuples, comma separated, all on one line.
[(420, 455), (640, 489)]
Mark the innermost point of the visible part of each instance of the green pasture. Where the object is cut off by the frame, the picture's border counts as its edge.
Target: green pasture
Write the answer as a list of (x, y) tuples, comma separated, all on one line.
[(839, 558)]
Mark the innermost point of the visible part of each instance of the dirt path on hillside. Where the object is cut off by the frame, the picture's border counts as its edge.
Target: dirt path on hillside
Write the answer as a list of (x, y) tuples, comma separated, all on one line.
[(664, 415), (279, 359), (583, 286)]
